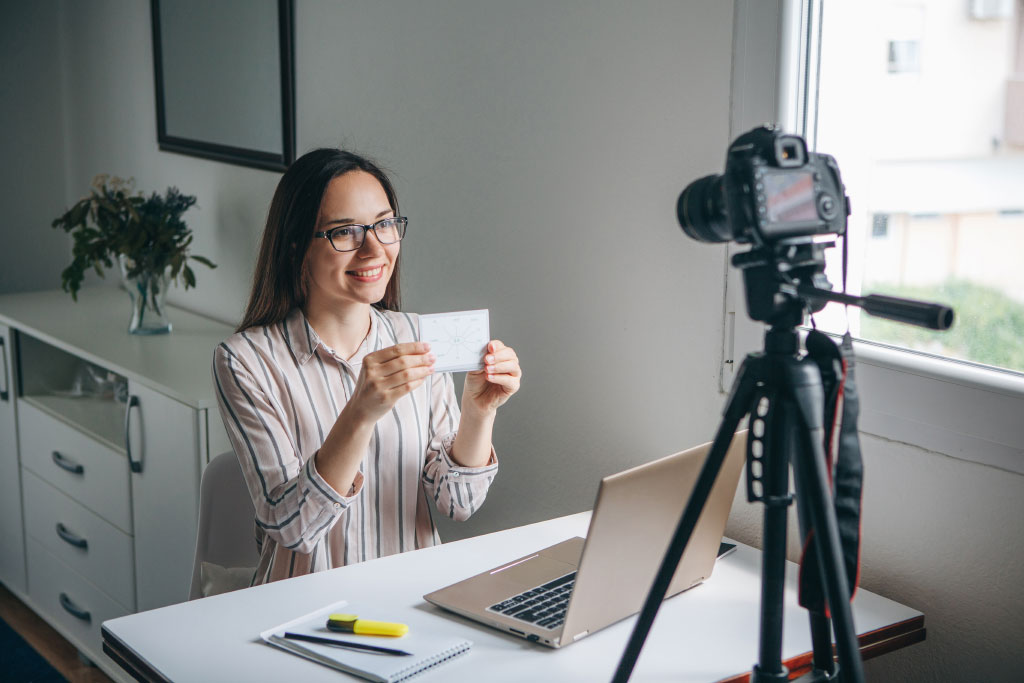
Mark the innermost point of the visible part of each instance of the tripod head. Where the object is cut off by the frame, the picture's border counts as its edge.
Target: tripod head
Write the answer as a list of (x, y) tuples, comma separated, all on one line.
[(783, 281)]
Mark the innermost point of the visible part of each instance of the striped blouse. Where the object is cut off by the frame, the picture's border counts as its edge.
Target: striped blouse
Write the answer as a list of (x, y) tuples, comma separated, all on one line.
[(280, 389)]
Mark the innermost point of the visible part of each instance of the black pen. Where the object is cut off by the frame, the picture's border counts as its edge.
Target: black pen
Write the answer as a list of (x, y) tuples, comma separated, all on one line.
[(345, 643)]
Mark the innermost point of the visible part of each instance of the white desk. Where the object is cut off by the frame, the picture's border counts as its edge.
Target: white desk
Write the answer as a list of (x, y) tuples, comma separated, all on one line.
[(709, 633)]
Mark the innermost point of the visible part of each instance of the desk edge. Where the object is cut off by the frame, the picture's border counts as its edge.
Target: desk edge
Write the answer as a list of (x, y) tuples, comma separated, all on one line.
[(872, 644), (123, 656)]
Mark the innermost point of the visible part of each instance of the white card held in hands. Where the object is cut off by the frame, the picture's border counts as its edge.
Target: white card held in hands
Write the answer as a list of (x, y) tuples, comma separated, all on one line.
[(458, 339)]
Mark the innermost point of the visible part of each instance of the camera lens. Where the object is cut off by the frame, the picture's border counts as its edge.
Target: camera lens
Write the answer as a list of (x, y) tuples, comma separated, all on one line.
[(701, 210)]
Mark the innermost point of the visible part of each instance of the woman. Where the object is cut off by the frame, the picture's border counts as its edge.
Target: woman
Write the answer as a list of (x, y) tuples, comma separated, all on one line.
[(344, 432)]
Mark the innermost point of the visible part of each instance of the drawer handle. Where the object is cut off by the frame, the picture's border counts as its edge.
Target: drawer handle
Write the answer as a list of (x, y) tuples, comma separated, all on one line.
[(73, 609), (65, 463), (71, 538), (133, 402), (5, 393)]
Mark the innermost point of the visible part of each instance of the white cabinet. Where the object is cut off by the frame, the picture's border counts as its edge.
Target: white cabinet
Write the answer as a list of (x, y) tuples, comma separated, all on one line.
[(77, 503), (88, 544), (103, 439), (163, 442), (85, 469), (12, 539), (72, 604)]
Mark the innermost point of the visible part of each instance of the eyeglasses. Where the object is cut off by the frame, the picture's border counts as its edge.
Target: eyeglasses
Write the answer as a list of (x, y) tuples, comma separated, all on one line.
[(351, 237)]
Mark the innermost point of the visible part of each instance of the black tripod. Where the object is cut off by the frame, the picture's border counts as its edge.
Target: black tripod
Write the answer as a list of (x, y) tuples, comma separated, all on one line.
[(782, 392)]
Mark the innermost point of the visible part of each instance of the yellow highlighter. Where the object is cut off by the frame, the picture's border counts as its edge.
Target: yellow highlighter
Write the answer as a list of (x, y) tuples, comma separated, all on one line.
[(350, 623)]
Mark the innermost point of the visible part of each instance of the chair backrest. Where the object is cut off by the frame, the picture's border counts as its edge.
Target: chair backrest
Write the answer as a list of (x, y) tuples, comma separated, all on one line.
[(226, 517)]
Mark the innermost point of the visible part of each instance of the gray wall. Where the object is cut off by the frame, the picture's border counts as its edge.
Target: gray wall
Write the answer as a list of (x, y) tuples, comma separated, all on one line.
[(538, 148), (32, 146)]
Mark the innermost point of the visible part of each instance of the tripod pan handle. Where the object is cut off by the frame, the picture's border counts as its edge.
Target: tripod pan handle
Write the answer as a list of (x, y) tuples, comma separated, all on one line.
[(920, 313)]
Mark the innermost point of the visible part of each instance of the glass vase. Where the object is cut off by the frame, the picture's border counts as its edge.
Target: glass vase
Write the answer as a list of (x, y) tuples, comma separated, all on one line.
[(148, 292)]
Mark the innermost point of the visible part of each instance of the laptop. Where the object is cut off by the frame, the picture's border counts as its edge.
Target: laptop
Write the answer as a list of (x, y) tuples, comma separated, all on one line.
[(567, 591)]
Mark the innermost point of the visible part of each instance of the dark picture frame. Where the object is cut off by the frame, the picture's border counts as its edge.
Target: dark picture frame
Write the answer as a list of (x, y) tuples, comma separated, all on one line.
[(171, 140)]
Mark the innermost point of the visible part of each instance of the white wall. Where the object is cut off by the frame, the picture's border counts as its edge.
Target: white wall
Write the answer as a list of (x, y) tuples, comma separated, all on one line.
[(523, 135)]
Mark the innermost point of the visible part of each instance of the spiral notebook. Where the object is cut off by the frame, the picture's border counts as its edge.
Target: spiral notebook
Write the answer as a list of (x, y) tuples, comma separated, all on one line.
[(429, 640)]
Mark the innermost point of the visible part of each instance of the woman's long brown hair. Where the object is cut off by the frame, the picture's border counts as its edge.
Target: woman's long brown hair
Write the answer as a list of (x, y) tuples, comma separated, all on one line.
[(278, 285)]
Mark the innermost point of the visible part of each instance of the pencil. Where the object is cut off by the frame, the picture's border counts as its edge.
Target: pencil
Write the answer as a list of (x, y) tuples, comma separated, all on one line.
[(345, 643)]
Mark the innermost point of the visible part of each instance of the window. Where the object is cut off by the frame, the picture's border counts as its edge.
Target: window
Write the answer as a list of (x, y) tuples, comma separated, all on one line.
[(880, 225), (902, 26), (904, 56), (935, 182)]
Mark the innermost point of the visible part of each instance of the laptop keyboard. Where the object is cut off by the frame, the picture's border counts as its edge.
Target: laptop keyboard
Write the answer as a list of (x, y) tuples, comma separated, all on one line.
[(544, 605)]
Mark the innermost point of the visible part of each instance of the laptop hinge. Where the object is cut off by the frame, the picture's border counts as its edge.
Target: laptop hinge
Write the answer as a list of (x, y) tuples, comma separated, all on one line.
[(579, 635)]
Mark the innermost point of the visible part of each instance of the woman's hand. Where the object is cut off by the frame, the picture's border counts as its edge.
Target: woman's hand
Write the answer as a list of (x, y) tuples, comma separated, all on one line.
[(485, 390), (388, 375)]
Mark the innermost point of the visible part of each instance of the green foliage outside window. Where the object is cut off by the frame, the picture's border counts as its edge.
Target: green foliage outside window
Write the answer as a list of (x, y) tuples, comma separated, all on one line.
[(988, 328)]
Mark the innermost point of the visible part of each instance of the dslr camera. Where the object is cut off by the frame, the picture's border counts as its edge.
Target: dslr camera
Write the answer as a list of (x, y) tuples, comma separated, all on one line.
[(773, 192)]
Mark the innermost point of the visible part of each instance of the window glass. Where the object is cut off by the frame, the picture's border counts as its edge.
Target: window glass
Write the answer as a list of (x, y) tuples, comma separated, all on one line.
[(922, 104)]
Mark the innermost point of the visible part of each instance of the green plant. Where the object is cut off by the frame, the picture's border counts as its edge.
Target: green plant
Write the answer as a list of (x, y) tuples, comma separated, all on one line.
[(114, 221), (988, 327)]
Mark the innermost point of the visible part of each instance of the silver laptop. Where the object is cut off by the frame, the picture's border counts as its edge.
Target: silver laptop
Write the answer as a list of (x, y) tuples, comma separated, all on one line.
[(562, 593)]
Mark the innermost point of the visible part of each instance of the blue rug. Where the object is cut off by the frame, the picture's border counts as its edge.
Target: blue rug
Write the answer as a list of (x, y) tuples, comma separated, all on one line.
[(19, 663)]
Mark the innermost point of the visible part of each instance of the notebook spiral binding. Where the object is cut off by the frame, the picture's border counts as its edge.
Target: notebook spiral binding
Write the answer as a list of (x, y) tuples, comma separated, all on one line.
[(439, 658)]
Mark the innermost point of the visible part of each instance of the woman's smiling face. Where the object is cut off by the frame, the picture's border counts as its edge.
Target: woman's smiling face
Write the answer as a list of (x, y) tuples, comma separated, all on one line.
[(359, 276)]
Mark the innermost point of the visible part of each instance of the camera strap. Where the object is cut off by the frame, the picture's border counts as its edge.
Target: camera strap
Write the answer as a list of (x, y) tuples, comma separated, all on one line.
[(843, 464)]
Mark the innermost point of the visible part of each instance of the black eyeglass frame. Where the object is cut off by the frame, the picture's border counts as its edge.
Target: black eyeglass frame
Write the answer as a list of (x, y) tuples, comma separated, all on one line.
[(401, 221)]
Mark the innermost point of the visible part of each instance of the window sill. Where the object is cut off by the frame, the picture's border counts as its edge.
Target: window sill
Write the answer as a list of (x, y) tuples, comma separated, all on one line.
[(957, 372), (949, 407)]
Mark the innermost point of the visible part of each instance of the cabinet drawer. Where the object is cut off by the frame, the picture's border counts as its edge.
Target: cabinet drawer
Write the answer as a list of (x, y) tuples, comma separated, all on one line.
[(72, 604), (92, 474), (81, 539)]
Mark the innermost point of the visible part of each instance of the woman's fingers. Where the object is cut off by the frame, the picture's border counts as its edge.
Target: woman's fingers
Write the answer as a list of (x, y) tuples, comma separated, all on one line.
[(400, 378), (391, 353), (402, 389), (503, 380), (394, 365), (404, 363), (505, 367), (389, 374), (501, 359)]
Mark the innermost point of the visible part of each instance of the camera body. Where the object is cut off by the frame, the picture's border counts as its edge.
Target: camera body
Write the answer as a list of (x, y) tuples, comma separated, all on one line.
[(773, 192)]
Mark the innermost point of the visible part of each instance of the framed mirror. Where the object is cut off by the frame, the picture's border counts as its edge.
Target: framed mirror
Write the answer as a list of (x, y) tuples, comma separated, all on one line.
[(225, 80)]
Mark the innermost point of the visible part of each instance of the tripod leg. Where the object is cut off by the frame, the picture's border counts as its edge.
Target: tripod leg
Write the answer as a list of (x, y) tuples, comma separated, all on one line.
[(821, 641), (814, 492), (823, 662), (778, 437), (736, 408)]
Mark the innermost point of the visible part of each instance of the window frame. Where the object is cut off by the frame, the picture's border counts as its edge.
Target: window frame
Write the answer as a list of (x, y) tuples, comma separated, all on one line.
[(943, 406)]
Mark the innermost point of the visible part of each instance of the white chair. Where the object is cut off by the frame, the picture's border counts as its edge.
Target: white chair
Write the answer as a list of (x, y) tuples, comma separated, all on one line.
[(225, 539)]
